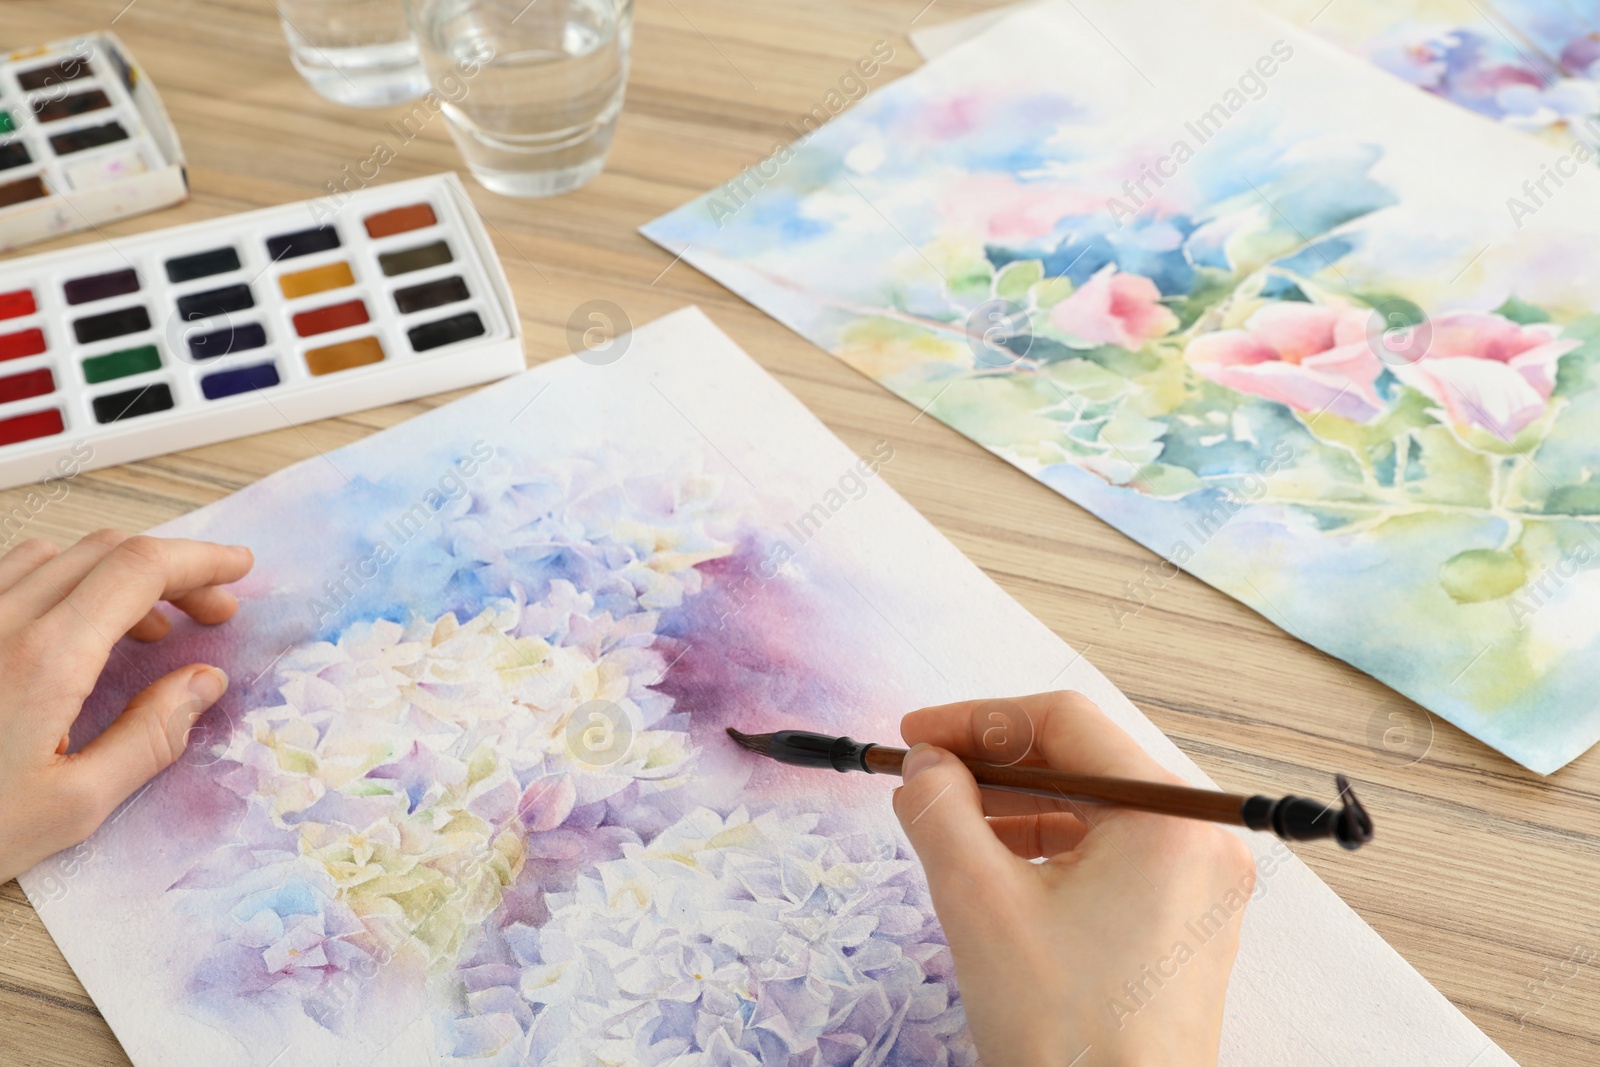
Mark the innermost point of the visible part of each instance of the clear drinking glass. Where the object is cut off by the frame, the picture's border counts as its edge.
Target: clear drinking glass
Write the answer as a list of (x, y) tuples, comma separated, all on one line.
[(356, 52), (531, 88)]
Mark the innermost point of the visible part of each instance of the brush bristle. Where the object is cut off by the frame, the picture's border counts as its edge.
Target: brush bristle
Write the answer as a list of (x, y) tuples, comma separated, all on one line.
[(761, 743)]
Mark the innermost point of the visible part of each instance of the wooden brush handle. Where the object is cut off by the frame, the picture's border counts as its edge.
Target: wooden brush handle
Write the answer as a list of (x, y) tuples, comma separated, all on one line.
[(1158, 797)]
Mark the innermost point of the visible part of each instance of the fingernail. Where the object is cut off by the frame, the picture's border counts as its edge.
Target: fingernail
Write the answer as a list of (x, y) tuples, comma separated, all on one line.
[(207, 684), (919, 759)]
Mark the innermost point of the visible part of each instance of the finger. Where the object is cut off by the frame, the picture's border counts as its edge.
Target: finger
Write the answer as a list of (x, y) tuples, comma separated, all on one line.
[(128, 582), (148, 737), (153, 627), (995, 731), (998, 731), (1032, 836), (44, 586), (208, 606), (1065, 729), (939, 808), (23, 560), (998, 803), (1072, 733)]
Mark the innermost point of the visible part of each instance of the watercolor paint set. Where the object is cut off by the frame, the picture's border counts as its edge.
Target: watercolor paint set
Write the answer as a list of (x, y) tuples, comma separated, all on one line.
[(239, 325), (84, 139)]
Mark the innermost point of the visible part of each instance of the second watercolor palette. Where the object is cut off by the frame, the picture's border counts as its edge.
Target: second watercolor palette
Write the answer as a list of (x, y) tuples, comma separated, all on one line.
[(84, 139), (239, 325)]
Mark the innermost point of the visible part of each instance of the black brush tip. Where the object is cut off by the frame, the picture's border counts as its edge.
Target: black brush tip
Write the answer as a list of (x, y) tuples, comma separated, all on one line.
[(1354, 826), (761, 743)]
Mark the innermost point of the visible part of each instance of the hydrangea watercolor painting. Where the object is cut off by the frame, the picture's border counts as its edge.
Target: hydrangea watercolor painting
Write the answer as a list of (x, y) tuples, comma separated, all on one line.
[(1264, 312), (1531, 64), (469, 801)]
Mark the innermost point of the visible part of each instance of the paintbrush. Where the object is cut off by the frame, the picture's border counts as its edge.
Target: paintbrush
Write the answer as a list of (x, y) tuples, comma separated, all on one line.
[(1291, 818)]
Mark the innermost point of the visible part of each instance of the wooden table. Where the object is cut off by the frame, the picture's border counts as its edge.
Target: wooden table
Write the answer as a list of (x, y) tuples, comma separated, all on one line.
[(1485, 875)]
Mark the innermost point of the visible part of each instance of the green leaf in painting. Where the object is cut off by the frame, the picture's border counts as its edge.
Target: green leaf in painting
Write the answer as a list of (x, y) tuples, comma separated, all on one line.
[(968, 274), (1165, 480), (1521, 312), (1576, 373), (1045, 350), (1480, 574), (1121, 361), (1090, 380), (1574, 500), (1016, 278), (1126, 429), (1051, 291), (1212, 287), (1451, 472), (1398, 311)]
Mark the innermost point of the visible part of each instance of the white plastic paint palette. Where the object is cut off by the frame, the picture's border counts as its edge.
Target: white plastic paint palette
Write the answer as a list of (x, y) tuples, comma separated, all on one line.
[(84, 140), (235, 326)]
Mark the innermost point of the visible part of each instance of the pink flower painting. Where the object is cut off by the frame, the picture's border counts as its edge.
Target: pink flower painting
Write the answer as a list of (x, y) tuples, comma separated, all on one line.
[(1487, 371), (1312, 357), (1114, 309)]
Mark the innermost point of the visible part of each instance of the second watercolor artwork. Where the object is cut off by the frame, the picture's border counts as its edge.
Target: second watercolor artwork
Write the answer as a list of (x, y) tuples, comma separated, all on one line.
[(1531, 64), (1261, 309)]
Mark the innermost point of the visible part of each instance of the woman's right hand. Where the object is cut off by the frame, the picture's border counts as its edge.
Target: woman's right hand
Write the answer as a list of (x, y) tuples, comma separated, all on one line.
[(1118, 947)]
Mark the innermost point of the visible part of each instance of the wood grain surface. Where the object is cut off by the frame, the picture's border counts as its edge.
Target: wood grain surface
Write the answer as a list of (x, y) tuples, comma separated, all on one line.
[(1484, 875)]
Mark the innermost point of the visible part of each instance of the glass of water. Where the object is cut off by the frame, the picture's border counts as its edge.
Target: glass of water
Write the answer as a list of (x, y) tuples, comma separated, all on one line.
[(531, 88), (357, 52)]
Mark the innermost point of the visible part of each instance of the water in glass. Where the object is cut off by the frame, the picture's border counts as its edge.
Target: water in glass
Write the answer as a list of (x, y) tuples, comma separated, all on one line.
[(532, 90)]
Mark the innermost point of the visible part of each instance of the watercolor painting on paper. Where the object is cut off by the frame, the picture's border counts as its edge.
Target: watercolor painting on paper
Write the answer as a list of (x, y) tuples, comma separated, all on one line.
[(1531, 64), (1322, 370), (472, 772)]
